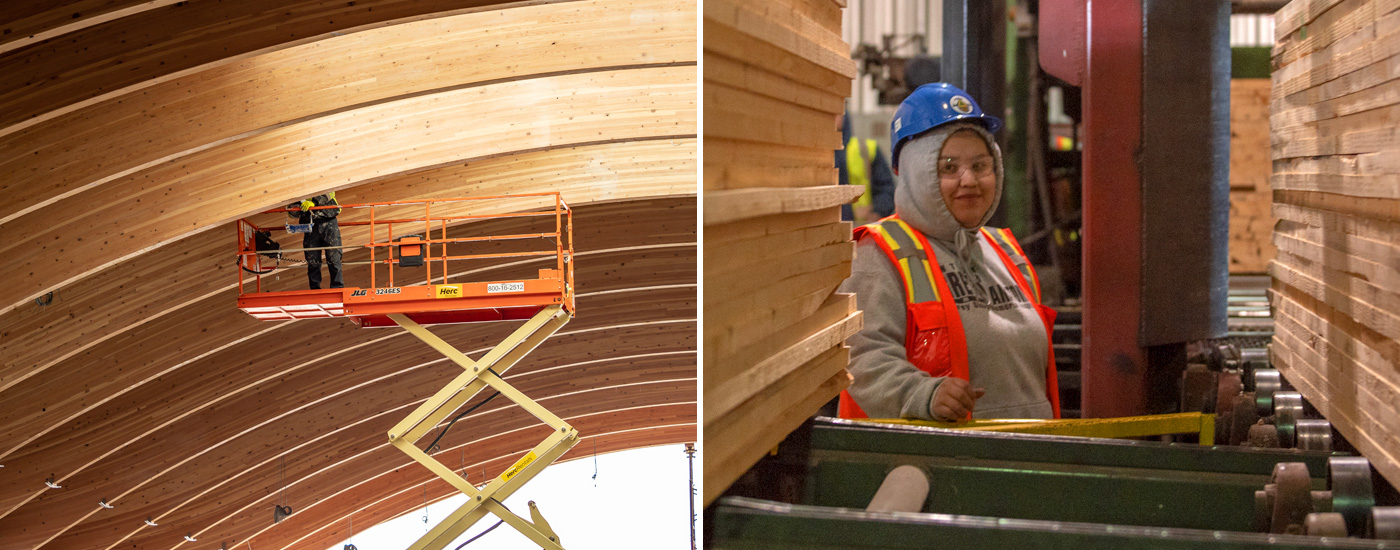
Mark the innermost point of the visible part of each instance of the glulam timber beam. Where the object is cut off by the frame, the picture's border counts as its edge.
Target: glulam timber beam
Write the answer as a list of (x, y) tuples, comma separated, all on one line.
[(164, 203), (101, 143)]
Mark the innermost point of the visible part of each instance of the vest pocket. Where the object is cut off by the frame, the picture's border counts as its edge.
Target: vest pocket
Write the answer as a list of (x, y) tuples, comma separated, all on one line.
[(927, 339)]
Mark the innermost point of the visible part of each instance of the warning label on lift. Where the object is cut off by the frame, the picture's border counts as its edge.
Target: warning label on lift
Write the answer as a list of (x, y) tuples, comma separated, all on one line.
[(493, 288), (449, 291), (519, 465)]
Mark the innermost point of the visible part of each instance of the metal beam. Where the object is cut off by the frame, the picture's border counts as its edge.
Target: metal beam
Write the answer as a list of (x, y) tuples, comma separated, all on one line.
[(741, 524), (1114, 363)]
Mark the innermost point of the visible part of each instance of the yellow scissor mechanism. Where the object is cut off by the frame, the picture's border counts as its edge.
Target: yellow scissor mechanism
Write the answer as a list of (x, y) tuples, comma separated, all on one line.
[(476, 376), (545, 302)]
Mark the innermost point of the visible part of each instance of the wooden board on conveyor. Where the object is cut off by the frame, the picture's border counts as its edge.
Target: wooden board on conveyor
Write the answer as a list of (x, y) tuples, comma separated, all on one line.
[(1333, 112), (776, 77)]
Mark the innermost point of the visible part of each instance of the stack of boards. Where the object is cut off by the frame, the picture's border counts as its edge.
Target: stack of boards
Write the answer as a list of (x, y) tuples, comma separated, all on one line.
[(1251, 224), (1335, 146), (776, 77)]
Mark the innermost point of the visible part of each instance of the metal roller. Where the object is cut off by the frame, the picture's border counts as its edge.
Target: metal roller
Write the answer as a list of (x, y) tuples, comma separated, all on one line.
[(1263, 435), (904, 490), (1385, 523), (1292, 498), (1242, 418), (1198, 386), (1349, 479), (1266, 383), (1313, 434), (1263, 508), (1325, 524), (1228, 385), (1254, 359), (1288, 409), (1322, 501)]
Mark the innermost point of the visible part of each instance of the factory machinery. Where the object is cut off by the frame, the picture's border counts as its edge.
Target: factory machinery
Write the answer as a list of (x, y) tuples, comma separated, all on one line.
[(1254, 472)]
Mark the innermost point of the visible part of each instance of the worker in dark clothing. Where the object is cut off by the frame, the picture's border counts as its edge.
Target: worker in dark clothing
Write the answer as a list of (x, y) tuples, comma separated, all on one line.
[(325, 232)]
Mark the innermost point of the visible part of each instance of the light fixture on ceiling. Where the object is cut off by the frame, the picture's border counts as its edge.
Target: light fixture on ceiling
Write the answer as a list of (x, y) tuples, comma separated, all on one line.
[(51, 484), (151, 522), (190, 537), (103, 503)]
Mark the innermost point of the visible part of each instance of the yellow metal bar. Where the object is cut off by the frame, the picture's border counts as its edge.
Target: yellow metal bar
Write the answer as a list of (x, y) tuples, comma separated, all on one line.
[(525, 402), (1130, 426), (501, 358), (486, 501), (476, 375)]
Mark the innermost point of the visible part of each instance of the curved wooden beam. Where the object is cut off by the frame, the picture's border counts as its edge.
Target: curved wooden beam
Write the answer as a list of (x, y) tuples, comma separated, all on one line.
[(169, 388), (409, 498), (150, 46), (106, 141), (143, 289), (178, 199)]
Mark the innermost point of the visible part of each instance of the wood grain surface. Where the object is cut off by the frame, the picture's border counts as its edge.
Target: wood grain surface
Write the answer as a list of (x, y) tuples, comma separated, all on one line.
[(776, 78), (1334, 105), (133, 133)]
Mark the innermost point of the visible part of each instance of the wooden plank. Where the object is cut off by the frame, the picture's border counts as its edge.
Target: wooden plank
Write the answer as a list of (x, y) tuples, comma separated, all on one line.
[(738, 204), (1386, 186), (744, 76), (764, 420), (1340, 20), (735, 339), (733, 391), (752, 228), (752, 251), (1293, 15), (1348, 409), (734, 164), (724, 41), (1357, 308), (752, 343), (1251, 223), (740, 115), (787, 29), (737, 280), (103, 142), (1363, 211), (1365, 48)]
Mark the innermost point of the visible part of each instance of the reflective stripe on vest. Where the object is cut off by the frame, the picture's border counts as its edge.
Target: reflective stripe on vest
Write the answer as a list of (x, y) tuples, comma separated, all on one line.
[(900, 242), (1003, 239), (858, 166), (918, 283)]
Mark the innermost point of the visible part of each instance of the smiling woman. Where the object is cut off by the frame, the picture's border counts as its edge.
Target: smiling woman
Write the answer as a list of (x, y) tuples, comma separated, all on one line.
[(142, 131), (957, 328)]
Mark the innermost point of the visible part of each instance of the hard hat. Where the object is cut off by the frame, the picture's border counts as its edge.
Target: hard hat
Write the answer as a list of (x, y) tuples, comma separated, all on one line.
[(931, 106)]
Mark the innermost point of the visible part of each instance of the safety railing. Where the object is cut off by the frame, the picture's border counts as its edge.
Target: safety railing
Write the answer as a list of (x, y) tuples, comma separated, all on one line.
[(422, 239)]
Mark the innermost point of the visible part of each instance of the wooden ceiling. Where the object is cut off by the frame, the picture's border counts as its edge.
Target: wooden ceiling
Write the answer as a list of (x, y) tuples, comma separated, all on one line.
[(134, 132)]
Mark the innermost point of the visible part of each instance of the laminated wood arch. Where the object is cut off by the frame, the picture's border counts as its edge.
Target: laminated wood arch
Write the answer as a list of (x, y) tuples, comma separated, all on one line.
[(133, 132)]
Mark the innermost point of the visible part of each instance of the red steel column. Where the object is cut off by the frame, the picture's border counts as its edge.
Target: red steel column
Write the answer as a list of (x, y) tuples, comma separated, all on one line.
[(1113, 362)]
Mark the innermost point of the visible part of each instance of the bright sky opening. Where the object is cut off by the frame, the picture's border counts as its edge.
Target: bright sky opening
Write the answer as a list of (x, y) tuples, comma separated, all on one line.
[(639, 499)]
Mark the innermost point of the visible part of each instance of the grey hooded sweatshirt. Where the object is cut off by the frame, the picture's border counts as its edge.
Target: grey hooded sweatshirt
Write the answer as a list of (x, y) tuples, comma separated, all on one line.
[(1007, 345)]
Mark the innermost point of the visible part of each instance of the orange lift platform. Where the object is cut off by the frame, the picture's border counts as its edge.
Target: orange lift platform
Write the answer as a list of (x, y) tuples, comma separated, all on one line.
[(545, 303)]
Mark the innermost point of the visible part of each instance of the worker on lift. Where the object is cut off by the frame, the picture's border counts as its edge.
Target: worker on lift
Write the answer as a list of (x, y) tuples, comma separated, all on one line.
[(324, 232), (953, 321)]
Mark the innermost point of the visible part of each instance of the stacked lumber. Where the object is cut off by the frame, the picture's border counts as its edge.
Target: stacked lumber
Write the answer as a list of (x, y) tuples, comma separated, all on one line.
[(1251, 224), (1336, 165), (776, 77)]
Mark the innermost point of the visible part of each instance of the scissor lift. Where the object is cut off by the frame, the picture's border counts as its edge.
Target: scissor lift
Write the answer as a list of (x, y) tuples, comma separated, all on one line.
[(545, 303)]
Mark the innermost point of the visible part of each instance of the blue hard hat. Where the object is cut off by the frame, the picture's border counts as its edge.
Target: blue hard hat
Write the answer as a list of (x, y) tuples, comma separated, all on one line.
[(931, 106)]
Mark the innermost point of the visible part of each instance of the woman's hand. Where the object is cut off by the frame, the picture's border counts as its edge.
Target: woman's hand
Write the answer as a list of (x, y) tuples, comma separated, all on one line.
[(954, 399)]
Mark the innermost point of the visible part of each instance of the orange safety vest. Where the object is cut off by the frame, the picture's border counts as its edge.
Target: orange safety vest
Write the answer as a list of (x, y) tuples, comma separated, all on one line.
[(933, 335)]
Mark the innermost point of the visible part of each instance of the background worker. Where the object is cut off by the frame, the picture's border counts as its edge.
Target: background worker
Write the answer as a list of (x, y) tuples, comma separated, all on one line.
[(953, 320), (863, 163), (325, 232)]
